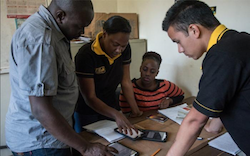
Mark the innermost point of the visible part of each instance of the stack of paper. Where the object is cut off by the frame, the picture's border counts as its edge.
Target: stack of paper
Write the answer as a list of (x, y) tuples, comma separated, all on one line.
[(105, 128), (225, 143), (177, 113)]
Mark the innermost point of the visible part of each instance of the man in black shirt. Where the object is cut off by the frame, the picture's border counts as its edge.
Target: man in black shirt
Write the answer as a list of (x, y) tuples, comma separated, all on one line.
[(224, 87)]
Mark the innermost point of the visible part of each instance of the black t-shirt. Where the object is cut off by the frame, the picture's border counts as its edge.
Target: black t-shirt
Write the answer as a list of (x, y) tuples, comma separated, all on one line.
[(106, 76), (224, 89)]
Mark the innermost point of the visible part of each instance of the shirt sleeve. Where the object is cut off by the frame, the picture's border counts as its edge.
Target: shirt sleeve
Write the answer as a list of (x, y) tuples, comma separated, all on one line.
[(37, 69), (84, 62), (126, 55), (218, 84)]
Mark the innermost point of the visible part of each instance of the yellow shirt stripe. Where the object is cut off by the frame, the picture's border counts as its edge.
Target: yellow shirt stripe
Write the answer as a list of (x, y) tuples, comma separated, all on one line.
[(211, 110), (83, 73)]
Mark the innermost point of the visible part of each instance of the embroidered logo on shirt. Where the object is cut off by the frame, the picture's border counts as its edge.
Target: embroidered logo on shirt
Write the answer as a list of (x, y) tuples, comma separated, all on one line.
[(100, 70)]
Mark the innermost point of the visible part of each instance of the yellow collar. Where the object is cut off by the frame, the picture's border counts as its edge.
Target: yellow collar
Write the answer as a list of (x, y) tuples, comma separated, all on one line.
[(216, 35), (96, 47)]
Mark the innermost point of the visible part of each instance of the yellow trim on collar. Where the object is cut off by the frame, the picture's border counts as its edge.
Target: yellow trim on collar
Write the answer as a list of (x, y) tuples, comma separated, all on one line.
[(96, 47), (216, 35)]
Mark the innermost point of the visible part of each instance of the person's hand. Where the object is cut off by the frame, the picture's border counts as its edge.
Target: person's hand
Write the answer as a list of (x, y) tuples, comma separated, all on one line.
[(123, 124), (165, 103), (214, 125), (136, 114), (99, 149)]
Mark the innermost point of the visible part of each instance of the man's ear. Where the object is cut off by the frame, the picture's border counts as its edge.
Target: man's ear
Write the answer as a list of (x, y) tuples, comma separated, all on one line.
[(60, 16), (194, 30)]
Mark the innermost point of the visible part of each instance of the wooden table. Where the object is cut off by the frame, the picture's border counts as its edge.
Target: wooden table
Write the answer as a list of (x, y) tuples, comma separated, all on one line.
[(146, 148)]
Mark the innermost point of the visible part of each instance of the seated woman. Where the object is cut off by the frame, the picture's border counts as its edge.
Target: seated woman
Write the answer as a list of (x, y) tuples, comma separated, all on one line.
[(151, 93), (100, 67)]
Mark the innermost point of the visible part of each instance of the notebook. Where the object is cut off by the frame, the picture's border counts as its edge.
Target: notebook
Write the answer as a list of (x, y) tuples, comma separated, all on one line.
[(225, 143), (105, 129)]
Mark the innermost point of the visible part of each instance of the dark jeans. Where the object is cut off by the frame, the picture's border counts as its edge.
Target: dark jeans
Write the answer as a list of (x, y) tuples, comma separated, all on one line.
[(46, 152)]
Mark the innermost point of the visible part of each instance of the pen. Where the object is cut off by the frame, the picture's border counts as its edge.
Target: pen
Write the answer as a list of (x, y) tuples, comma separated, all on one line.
[(199, 138), (156, 152)]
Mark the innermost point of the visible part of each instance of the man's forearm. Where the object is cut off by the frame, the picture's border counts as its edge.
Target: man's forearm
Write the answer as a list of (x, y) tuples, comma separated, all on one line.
[(55, 123)]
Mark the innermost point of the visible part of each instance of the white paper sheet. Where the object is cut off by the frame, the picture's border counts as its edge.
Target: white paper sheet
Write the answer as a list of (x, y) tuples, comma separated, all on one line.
[(225, 143)]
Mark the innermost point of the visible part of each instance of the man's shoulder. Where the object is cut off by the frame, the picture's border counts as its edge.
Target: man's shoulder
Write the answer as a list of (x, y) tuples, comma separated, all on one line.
[(233, 44), (33, 24), (33, 30)]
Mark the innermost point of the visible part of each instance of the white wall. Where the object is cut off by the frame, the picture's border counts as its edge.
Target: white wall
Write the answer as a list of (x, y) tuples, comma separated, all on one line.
[(177, 67), (106, 6), (7, 29), (5, 94)]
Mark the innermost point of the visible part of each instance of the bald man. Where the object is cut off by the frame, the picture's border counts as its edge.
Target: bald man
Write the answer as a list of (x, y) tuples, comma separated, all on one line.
[(43, 83)]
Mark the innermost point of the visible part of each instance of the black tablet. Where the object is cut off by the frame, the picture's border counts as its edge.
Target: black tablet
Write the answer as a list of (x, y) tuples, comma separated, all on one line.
[(151, 135), (123, 150)]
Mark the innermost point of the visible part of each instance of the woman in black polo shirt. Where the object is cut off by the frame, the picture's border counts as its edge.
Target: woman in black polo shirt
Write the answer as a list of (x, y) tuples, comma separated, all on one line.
[(100, 67)]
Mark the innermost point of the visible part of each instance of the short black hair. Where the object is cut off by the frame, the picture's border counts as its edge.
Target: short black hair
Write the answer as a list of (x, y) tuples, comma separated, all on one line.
[(186, 12), (152, 55), (117, 24)]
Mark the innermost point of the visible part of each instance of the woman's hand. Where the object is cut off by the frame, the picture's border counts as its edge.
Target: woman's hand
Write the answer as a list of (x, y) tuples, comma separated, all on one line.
[(136, 114), (123, 123), (165, 103), (214, 126)]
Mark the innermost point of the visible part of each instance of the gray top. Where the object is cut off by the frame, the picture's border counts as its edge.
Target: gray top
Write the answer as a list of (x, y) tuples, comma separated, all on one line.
[(40, 65)]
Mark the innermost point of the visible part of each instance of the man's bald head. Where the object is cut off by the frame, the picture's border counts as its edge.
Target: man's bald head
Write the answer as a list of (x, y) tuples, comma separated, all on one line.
[(72, 15), (73, 5)]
